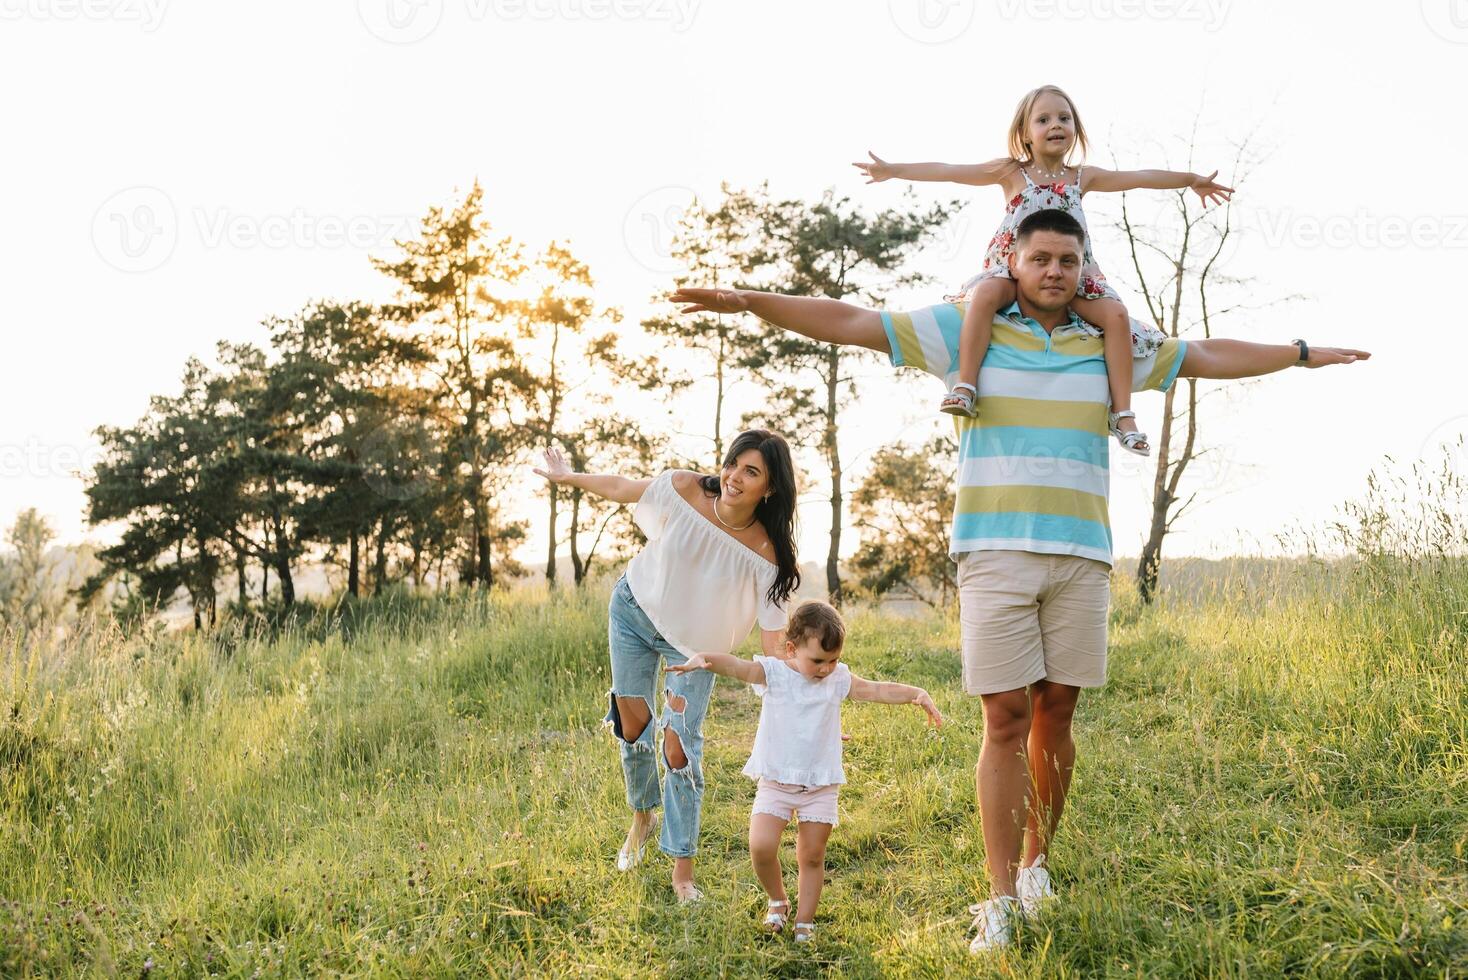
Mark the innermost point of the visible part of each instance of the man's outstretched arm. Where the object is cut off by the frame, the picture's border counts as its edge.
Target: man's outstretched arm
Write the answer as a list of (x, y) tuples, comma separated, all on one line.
[(829, 321), (1222, 358)]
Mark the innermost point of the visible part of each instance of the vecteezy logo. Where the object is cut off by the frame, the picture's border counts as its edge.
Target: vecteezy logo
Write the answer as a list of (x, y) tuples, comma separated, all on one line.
[(400, 21), (1447, 444), (932, 21), (651, 226), (397, 459), (1448, 19), (135, 230)]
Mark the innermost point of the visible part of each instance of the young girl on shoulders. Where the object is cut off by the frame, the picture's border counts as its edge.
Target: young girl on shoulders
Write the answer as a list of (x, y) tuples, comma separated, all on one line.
[(1039, 174)]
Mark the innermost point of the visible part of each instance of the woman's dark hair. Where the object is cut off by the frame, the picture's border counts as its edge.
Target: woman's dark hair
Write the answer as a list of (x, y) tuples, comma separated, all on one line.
[(777, 514), (1050, 219)]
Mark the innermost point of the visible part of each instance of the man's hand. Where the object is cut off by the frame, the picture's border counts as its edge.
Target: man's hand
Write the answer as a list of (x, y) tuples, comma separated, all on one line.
[(696, 662), (711, 300), (876, 171), (1210, 190), (1321, 356), (925, 701)]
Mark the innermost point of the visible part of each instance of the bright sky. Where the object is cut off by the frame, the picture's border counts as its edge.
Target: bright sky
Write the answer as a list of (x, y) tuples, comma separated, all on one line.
[(179, 171)]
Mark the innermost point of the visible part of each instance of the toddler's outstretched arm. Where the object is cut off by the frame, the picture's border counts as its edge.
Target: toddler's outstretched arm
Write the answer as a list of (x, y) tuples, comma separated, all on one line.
[(977, 174), (887, 692), (724, 664), (1212, 192)]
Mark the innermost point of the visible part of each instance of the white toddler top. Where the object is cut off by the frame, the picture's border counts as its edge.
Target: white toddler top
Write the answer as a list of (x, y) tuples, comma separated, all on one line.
[(701, 588), (799, 736)]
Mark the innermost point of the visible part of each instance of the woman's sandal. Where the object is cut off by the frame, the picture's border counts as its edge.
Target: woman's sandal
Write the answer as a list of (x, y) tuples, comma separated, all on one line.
[(775, 921), (1129, 440), (960, 401), (805, 931), (627, 859)]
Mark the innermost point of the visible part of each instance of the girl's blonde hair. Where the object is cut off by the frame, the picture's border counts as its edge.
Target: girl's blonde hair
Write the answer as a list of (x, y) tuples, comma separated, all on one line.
[(1019, 148)]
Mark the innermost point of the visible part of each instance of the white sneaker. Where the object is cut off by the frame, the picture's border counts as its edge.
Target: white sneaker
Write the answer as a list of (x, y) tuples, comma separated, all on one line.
[(992, 920), (1032, 885)]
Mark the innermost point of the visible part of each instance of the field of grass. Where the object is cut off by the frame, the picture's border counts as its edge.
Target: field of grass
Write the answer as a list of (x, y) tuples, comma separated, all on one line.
[(1274, 782)]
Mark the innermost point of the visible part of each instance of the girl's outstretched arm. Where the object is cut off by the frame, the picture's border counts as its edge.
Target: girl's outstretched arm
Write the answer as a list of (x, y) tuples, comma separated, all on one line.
[(887, 692), (1207, 188), (724, 664), (616, 488), (976, 174)]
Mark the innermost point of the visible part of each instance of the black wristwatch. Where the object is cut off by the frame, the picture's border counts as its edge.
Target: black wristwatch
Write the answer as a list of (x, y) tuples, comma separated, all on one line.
[(1304, 352)]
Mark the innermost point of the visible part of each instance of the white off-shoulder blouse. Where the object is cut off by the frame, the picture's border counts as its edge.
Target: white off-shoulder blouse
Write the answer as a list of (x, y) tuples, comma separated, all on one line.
[(701, 588)]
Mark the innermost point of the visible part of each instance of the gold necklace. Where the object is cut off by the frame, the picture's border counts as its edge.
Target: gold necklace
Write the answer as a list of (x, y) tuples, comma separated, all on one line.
[(727, 524)]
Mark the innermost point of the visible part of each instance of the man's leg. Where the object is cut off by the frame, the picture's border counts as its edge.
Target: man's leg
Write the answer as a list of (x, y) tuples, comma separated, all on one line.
[(1002, 780), (829, 321), (1002, 653), (1073, 620), (1052, 758)]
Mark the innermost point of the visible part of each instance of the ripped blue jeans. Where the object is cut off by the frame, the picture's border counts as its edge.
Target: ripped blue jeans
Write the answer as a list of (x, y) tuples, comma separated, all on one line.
[(638, 651)]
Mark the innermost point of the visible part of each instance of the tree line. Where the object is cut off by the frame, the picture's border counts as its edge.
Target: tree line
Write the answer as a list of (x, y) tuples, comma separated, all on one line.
[(383, 439)]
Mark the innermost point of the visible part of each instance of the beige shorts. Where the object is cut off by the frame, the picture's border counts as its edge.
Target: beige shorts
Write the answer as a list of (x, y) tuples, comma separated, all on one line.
[(810, 803), (1026, 617)]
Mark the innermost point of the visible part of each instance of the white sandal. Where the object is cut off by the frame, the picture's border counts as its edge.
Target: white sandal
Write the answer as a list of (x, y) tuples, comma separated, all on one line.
[(775, 921), (805, 931), (960, 401), (627, 859), (1129, 440)]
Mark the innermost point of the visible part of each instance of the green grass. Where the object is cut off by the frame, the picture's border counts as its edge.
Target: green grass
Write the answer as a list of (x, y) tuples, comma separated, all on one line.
[(1272, 783)]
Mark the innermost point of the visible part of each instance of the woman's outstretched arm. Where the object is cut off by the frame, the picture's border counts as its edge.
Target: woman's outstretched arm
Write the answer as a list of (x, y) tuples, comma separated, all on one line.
[(612, 487), (829, 321)]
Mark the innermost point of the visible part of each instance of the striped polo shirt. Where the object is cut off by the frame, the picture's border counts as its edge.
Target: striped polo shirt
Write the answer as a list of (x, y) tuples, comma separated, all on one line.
[(1033, 466)]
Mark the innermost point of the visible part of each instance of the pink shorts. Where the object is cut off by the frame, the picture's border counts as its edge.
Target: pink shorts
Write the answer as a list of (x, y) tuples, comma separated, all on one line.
[(813, 803)]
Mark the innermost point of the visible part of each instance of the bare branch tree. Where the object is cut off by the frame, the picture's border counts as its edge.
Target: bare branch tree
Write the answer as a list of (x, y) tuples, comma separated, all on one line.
[(1180, 275)]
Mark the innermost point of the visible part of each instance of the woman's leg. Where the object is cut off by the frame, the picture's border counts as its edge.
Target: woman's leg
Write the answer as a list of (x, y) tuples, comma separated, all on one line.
[(1111, 317), (634, 679), (686, 702), (810, 852), (984, 301)]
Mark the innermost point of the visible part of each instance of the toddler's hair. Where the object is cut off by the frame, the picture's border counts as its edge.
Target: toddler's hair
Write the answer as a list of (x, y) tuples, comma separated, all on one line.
[(1050, 219), (816, 619), (1018, 146)]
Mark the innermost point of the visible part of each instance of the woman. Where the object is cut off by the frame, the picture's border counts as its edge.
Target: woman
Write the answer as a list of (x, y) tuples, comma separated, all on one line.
[(720, 555)]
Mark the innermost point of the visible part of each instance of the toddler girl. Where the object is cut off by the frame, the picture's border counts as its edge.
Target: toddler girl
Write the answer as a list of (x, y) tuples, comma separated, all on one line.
[(797, 749)]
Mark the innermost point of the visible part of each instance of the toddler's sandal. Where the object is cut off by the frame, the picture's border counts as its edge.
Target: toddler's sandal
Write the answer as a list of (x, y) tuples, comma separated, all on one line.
[(959, 401), (1130, 441), (805, 931), (775, 920)]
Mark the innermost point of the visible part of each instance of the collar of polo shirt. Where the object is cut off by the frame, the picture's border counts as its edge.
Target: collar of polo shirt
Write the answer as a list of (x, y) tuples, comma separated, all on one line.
[(1013, 311)]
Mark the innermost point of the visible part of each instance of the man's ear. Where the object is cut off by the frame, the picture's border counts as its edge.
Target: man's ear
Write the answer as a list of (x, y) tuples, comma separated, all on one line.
[(1013, 260)]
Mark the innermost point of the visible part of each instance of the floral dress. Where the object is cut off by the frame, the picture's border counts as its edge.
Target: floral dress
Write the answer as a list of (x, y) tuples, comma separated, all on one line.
[(1065, 197)]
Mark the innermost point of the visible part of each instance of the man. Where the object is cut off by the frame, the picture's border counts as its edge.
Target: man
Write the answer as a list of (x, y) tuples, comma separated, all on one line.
[(1030, 532)]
